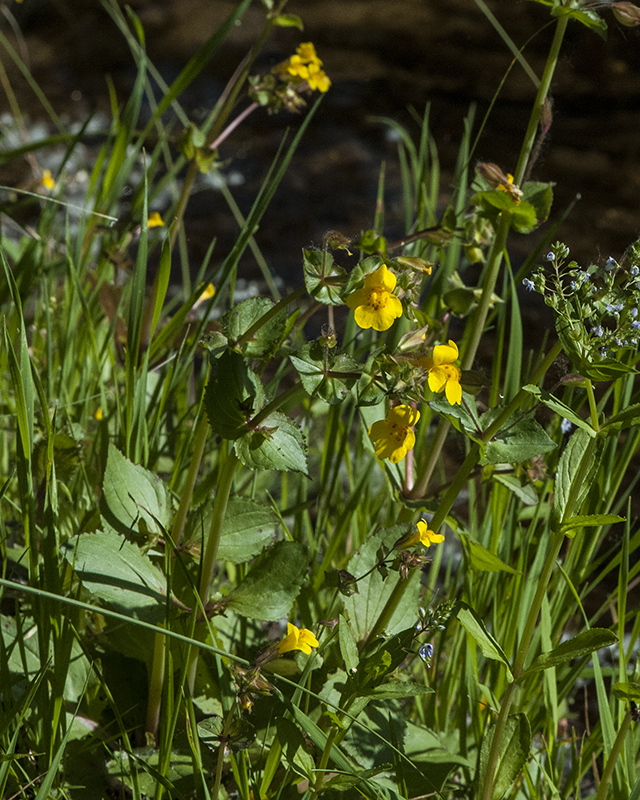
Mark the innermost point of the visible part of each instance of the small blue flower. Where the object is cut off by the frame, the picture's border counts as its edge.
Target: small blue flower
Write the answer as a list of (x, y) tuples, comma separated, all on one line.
[(620, 342), (634, 271), (633, 312), (528, 285), (572, 286), (635, 325), (426, 653), (611, 264), (619, 306), (603, 352), (610, 308), (565, 426), (597, 331), (551, 257)]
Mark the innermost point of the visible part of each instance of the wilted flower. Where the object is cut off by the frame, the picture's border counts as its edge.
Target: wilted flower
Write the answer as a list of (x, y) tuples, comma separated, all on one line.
[(375, 305), (497, 179), (297, 639), (392, 437), (443, 374), (626, 13)]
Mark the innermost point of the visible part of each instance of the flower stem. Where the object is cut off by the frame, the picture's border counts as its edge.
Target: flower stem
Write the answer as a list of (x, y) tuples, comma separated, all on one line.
[(246, 336), (613, 758), (593, 408)]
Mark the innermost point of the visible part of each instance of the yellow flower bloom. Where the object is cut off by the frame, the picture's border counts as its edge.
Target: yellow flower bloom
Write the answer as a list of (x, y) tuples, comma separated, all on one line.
[(47, 180), (297, 639), (375, 306), (392, 437), (318, 78), (155, 220), (443, 374), (422, 535), (99, 413)]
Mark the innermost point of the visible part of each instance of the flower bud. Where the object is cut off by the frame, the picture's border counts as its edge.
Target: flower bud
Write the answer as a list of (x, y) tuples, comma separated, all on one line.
[(626, 13)]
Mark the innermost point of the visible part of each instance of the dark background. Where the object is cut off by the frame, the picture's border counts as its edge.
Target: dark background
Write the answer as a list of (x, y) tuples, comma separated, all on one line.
[(382, 56)]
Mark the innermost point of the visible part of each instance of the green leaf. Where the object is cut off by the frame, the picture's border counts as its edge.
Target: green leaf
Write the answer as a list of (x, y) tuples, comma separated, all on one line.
[(480, 558), (629, 690), (524, 218), (586, 16), (348, 646), (233, 395), (247, 528), (517, 442), (323, 372), (626, 418), (324, 279), (475, 627), (133, 497), (514, 752), (288, 21), (118, 573), (560, 408), (457, 414), (271, 586), (278, 443), (374, 590), (526, 494), (540, 195), (265, 341), (577, 469), (572, 525), (607, 370), (394, 690), (581, 645)]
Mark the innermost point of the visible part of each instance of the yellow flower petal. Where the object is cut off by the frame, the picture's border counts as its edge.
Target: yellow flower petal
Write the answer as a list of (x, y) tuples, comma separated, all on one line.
[(381, 277), (445, 353), (155, 220), (405, 415), (437, 379), (453, 390)]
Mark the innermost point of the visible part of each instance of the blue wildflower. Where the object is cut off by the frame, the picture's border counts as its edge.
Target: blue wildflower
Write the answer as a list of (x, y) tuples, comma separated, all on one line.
[(597, 331), (611, 264), (634, 271), (565, 425), (551, 257), (633, 312), (426, 653), (528, 285), (635, 325)]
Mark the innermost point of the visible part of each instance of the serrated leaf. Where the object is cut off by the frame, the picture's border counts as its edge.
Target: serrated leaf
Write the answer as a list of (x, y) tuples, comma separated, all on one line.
[(579, 646), (475, 627), (271, 586), (560, 408), (514, 752), (119, 573), (480, 558), (278, 443), (132, 495), (577, 469), (348, 646), (324, 279), (365, 607), (457, 414), (247, 528), (395, 690), (526, 494), (572, 525), (237, 321), (518, 442), (323, 372), (233, 395)]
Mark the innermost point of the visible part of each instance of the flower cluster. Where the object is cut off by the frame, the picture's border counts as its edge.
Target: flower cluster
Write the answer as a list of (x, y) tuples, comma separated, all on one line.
[(596, 308), (306, 65), (375, 305)]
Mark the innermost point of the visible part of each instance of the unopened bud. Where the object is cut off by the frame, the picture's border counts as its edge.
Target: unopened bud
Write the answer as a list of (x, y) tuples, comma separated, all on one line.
[(492, 174), (419, 264), (626, 13)]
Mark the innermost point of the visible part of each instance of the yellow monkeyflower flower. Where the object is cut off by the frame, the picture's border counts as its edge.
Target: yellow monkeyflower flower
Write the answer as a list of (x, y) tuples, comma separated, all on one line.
[(392, 437), (297, 639), (318, 78), (443, 374), (375, 305), (422, 535), (155, 220), (514, 192), (47, 180)]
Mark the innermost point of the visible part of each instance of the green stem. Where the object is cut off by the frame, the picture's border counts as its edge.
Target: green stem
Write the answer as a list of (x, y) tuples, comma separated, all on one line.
[(208, 565), (295, 391), (228, 722), (324, 761), (593, 406), (613, 757), (438, 518)]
